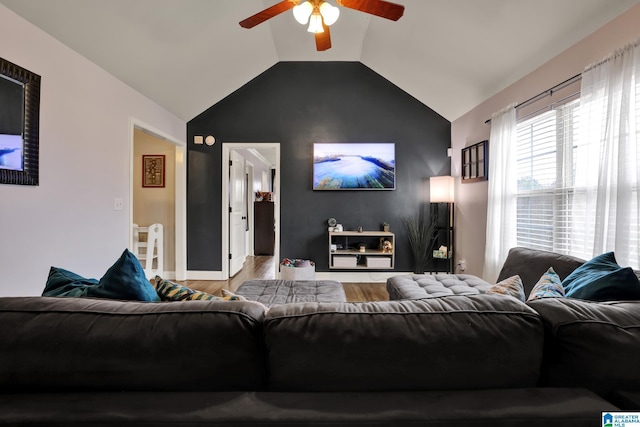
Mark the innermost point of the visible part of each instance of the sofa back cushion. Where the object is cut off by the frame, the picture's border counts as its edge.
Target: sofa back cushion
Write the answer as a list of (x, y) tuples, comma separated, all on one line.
[(531, 264), (591, 344), (455, 342), (58, 344)]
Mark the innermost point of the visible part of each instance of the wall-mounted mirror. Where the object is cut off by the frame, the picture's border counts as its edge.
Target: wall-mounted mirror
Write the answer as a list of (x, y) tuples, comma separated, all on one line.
[(19, 124)]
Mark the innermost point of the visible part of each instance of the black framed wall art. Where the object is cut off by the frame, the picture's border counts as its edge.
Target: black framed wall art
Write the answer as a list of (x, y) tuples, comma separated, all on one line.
[(475, 162)]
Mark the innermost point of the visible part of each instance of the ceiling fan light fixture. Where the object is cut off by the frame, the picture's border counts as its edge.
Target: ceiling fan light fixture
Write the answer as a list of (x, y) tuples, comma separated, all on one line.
[(315, 24), (302, 12), (329, 13)]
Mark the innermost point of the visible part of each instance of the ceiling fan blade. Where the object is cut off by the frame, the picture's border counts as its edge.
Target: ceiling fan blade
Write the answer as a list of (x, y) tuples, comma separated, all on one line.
[(268, 13), (381, 8), (323, 40)]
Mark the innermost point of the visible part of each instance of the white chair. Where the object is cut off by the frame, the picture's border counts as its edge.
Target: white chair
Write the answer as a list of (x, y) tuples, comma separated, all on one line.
[(153, 249)]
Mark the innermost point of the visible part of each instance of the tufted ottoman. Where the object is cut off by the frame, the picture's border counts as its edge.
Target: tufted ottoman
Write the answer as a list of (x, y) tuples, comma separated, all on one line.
[(272, 292), (419, 286)]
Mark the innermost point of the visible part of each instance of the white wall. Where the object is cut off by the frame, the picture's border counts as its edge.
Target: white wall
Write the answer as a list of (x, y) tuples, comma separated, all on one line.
[(68, 220), (471, 199)]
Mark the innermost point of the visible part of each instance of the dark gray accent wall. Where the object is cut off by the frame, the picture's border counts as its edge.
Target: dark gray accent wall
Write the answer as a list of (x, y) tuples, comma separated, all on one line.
[(297, 104)]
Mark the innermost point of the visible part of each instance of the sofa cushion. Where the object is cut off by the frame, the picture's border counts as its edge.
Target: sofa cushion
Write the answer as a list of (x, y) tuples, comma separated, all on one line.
[(455, 342), (549, 286), (124, 280), (511, 286), (418, 286), (273, 292), (602, 279), (531, 407), (64, 344), (591, 344), (530, 264)]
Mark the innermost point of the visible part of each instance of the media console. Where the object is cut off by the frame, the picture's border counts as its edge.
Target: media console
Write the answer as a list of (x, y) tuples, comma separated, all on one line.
[(361, 250)]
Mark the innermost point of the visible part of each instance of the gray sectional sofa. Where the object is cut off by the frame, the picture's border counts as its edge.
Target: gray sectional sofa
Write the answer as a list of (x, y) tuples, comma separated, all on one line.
[(481, 360)]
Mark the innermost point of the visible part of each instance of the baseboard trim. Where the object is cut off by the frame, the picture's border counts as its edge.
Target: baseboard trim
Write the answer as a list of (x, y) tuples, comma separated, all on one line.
[(359, 276), (204, 275)]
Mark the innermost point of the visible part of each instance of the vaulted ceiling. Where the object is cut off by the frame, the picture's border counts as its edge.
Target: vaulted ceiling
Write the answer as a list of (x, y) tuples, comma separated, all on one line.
[(186, 55)]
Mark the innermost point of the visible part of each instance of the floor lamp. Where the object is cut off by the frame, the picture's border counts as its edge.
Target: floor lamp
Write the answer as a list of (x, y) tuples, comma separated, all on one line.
[(441, 190)]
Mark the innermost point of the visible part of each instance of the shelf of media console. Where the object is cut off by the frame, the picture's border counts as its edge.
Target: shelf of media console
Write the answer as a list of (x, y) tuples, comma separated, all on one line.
[(372, 258)]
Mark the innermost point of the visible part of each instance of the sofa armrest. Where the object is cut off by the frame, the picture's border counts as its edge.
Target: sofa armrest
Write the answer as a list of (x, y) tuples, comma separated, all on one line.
[(591, 344)]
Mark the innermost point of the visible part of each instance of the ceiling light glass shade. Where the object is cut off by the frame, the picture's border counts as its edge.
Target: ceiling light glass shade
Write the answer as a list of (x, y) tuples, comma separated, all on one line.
[(441, 189), (315, 24), (302, 12), (329, 13)]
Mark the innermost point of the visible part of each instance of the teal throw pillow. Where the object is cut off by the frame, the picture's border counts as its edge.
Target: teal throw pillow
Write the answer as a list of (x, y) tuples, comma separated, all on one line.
[(125, 280), (549, 286), (602, 279), (62, 282)]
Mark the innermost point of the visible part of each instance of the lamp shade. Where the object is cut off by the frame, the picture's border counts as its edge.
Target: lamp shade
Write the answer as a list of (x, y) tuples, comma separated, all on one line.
[(441, 189), (329, 13), (315, 24), (302, 12)]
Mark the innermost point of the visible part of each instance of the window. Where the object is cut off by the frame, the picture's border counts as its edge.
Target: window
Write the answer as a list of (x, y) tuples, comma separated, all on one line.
[(549, 147), (546, 153), (578, 167)]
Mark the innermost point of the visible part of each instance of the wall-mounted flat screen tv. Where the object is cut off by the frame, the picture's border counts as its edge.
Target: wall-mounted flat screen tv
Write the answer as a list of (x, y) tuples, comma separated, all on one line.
[(354, 166)]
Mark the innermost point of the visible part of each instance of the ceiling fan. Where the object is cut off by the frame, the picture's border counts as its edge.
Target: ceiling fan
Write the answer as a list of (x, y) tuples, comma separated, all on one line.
[(320, 15)]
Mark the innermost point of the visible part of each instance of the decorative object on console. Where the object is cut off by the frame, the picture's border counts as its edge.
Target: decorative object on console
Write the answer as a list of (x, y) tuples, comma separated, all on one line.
[(475, 162), (153, 170), (442, 191), (385, 226)]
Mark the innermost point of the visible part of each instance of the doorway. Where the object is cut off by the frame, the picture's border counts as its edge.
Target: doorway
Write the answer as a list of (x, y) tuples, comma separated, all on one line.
[(270, 152), (165, 205)]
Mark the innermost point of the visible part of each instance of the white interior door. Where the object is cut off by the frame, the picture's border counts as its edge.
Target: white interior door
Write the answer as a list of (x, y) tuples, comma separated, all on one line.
[(237, 212)]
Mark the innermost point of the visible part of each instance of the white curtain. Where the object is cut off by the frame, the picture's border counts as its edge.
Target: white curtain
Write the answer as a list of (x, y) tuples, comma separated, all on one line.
[(607, 158), (502, 202)]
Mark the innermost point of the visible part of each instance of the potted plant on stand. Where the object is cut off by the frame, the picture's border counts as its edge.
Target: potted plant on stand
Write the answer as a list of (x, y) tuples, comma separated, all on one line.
[(421, 231)]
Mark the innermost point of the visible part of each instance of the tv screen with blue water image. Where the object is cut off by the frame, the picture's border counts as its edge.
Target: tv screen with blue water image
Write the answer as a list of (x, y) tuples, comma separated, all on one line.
[(354, 166)]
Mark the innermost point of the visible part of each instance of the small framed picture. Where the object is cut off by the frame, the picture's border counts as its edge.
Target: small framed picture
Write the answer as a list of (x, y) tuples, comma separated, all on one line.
[(475, 163), (153, 170)]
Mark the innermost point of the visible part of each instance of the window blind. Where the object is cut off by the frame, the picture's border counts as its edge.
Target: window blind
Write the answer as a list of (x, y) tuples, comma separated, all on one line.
[(546, 147)]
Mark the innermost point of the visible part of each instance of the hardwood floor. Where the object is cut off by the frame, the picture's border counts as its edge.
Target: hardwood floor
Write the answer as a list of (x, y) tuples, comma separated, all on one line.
[(264, 267)]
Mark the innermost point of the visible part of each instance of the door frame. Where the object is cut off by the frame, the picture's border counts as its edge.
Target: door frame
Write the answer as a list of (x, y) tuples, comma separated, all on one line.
[(226, 149), (249, 199), (180, 237)]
